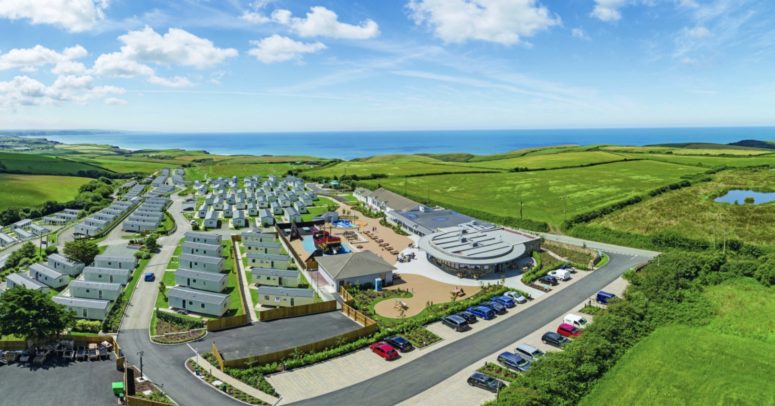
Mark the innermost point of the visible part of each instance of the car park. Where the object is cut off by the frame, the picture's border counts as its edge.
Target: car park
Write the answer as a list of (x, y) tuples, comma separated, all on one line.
[(468, 316), (504, 301), (514, 361), (455, 322), (568, 330), (603, 297), (576, 320), (560, 274), (482, 312), (554, 339), (401, 343), (549, 280), (384, 350), (529, 351), (518, 297), (486, 382), (497, 307)]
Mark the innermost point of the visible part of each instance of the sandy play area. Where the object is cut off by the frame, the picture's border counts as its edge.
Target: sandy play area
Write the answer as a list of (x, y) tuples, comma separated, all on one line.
[(424, 290)]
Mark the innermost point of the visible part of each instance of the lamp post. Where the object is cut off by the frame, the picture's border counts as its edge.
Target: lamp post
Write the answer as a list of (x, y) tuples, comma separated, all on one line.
[(140, 354)]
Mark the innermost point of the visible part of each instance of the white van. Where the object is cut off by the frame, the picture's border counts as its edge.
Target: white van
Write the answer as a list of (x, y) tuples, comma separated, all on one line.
[(561, 274), (576, 320)]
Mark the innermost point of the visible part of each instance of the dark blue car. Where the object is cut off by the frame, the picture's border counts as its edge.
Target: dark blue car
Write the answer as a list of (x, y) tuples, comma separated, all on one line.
[(504, 300), (603, 297), (497, 307), (482, 312), (514, 361)]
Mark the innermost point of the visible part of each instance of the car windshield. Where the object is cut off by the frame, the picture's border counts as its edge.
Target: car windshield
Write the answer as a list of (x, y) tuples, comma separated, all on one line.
[(582, 321)]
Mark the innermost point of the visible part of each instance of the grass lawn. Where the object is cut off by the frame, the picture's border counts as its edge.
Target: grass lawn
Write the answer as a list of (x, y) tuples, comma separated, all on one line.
[(313, 212), (33, 190), (232, 284), (124, 164), (729, 361), (542, 192), (691, 212), (169, 281)]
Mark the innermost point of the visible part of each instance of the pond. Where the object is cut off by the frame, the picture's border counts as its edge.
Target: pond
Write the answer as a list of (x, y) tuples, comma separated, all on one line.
[(738, 195)]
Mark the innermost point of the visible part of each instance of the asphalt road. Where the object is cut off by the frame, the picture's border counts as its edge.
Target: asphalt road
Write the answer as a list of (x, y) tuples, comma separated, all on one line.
[(415, 377)]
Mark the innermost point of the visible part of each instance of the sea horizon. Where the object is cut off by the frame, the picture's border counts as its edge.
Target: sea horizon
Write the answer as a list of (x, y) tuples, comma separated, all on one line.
[(359, 144)]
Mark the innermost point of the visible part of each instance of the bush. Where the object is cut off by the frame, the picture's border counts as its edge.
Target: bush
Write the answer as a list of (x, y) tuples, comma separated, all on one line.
[(87, 326)]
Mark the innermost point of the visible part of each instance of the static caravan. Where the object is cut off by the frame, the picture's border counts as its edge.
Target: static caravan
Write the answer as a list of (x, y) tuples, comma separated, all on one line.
[(38, 230), (269, 260), (95, 290), (201, 280), (116, 262), (6, 240), (198, 301), (54, 220), (197, 248), (276, 209), (276, 277), (266, 247), (85, 229), (284, 297), (211, 219), (300, 207), (201, 263), (23, 234), (265, 218), (64, 265), (17, 279), (202, 212), (21, 224), (204, 238), (228, 211), (290, 215), (239, 219), (255, 236), (108, 275), (85, 308), (47, 276), (139, 226), (252, 209)]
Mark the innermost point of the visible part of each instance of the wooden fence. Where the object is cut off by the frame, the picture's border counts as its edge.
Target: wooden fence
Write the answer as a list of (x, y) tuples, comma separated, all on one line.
[(217, 355), (225, 323), (288, 247), (79, 341), (296, 311), (346, 296), (357, 316)]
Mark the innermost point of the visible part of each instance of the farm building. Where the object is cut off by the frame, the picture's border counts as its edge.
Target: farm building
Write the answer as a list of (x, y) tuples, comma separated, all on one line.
[(284, 297), (95, 290), (201, 280), (17, 279), (85, 308), (109, 275), (116, 262), (211, 219), (204, 238), (198, 301), (196, 248), (276, 277), (269, 260), (201, 263), (47, 276), (359, 268), (266, 247), (64, 265)]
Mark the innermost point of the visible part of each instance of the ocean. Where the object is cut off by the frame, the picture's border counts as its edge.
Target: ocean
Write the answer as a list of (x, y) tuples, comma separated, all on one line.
[(349, 145)]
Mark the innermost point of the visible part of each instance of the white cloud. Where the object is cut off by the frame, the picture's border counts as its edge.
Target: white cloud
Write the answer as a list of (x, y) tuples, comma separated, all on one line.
[(608, 10), (118, 64), (322, 22), (280, 49), (699, 32), (25, 91), (176, 47), (73, 15), (578, 33), (69, 68), (30, 59), (114, 101), (255, 17), (505, 22)]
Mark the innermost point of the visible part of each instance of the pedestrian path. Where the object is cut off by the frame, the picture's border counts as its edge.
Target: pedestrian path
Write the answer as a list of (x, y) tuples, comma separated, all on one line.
[(227, 379), (246, 283)]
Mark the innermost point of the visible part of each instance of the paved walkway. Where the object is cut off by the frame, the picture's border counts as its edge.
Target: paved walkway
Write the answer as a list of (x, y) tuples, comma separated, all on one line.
[(223, 377), (246, 283)]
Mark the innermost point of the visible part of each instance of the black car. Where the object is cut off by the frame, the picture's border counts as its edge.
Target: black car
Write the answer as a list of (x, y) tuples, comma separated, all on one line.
[(455, 322), (483, 381), (468, 316), (549, 280), (554, 339), (399, 342), (496, 307)]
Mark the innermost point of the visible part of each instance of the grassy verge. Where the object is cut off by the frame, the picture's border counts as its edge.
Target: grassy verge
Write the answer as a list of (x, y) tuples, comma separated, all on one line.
[(499, 372), (228, 389), (116, 314)]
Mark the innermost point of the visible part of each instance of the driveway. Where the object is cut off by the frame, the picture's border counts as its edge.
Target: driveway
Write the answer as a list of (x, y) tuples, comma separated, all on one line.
[(418, 376)]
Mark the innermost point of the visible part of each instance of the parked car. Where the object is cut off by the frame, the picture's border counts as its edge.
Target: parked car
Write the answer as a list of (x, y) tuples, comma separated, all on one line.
[(149, 277), (568, 330), (399, 342), (603, 297), (529, 352), (482, 312), (554, 339), (455, 322), (576, 320), (561, 274), (486, 382), (516, 296), (468, 316), (384, 350), (514, 361), (504, 301), (549, 280), (497, 307)]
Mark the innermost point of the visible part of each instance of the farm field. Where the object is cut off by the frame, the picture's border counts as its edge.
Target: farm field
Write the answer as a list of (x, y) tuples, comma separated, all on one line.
[(391, 166), (691, 212), (728, 361), (200, 172), (549, 161), (33, 190), (709, 161), (122, 164), (42, 165), (542, 192)]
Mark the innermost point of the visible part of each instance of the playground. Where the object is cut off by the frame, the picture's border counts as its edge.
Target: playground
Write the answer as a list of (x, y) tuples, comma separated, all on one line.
[(423, 290)]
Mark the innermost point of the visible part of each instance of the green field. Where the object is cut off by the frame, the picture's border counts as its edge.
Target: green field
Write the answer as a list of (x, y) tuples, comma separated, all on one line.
[(542, 192), (729, 361), (43, 165), (124, 165), (691, 212), (708, 161), (33, 190), (549, 161), (202, 172), (390, 165)]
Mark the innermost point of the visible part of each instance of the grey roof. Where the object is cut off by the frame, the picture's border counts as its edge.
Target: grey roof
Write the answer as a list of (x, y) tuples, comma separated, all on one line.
[(114, 258), (6, 238), (95, 285), (475, 244), (280, 273), (194, 234), (273, 257), (211, 215), (201, 258), (354, 265), (263, 244), (192, 244), (433, 219), (83, 303), (248, 234), (278, 291), (106, 271), (25, 281), (43, 269), (393, 200), (197, 295), (210, 276)]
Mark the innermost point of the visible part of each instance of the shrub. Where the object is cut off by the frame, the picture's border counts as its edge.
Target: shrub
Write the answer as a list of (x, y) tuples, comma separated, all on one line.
[(87, 326)]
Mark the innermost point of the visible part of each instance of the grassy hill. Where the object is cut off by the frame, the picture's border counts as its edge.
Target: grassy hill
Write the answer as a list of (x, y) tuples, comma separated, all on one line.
[(33, 190), (43, 164)]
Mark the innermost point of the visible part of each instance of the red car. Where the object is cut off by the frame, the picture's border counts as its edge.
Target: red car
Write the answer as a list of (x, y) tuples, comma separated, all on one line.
[(568, 330), (384, 350)]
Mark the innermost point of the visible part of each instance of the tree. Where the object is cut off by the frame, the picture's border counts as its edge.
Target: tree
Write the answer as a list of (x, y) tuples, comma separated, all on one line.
[(82, 251), (26, 251), (150, 243), (33, 315), (163, 290)]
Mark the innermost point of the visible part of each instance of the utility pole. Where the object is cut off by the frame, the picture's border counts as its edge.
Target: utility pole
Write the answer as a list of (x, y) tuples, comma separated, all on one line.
[(141, 364)]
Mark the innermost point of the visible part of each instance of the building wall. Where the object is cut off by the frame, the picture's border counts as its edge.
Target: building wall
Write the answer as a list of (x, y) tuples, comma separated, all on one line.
[(88, 313), (283, 301), (200, 284), (51, 282), (101, 277), (197, 307), (94, 293), (264, 263)]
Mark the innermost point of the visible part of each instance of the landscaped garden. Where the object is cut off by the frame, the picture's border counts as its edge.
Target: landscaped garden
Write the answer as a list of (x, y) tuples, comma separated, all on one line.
[(226, 388)]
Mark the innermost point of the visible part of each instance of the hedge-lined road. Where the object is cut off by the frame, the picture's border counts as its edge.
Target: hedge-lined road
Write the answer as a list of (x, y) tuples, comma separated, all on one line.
[(420, 375)]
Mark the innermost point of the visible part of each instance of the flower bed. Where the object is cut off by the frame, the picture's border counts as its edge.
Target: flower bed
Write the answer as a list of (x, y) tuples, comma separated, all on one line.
[(421, 337), (224, 387), (499, 372)]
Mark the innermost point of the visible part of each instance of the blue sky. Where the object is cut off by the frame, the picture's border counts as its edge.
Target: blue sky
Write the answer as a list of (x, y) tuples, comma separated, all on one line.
[(245, 65)]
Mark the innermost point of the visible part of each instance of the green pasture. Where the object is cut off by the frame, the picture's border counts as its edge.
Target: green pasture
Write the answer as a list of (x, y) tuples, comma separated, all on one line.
[(33, 190), (201, 172), (548, 161), (709, 161), (392, 165), (34, 164)]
